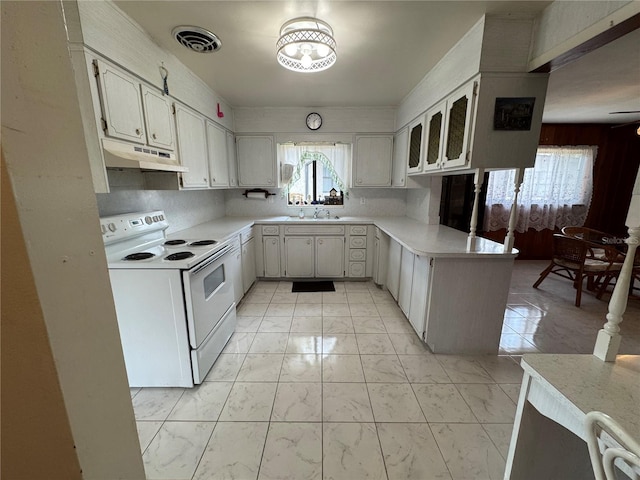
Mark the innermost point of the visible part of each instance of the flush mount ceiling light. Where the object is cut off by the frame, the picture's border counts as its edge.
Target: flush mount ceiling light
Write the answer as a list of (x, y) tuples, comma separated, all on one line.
[(306, 45)]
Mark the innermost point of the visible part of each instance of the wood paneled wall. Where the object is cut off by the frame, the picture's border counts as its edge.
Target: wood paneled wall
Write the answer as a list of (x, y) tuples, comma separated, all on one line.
[(614, 173)]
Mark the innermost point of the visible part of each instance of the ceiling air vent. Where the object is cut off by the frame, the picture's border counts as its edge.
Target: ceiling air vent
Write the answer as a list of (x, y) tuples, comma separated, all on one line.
[(197, 39)]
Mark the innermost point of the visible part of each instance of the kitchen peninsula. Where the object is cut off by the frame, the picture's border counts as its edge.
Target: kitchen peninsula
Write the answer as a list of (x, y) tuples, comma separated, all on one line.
[(453, 298)]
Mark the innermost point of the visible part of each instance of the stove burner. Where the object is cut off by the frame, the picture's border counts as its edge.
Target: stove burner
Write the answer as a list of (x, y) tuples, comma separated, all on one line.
[(175, 242), (139, 256), (179, 256), (201, 243)]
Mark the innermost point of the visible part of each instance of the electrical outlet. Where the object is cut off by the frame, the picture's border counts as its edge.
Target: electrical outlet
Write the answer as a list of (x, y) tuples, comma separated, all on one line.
[(363, 200)]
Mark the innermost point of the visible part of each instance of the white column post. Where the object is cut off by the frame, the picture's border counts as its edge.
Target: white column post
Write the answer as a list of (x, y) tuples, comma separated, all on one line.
[(608, 341), (478, 179), (517, 184)]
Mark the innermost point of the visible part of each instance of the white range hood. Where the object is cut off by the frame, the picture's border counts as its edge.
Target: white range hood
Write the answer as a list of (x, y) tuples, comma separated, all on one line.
[(126, 155)]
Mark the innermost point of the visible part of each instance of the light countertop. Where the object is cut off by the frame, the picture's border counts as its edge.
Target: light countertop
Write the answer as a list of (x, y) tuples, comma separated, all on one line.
[(419, 238), (590, 384)]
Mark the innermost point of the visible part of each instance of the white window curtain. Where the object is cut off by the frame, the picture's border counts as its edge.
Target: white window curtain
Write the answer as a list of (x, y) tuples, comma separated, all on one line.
[(555, 193), (293, 157)]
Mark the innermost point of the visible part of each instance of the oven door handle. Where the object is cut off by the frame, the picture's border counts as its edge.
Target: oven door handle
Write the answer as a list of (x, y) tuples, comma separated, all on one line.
[(220, 253)]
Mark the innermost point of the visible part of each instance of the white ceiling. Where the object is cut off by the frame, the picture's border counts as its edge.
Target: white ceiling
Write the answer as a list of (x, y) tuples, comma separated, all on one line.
[(384, 50)]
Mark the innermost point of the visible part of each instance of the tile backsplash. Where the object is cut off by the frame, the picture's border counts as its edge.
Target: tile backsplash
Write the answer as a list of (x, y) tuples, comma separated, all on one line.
[(378, 202), (183, 209)]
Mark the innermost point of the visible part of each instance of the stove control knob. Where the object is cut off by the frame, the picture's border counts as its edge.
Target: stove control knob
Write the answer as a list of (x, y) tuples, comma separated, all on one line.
[(161, 217), (103, 228), (148, 220), (112, 227), (156, 218)]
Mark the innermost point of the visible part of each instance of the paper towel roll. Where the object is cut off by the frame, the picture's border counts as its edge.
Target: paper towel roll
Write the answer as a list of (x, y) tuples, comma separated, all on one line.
[(257, 195)]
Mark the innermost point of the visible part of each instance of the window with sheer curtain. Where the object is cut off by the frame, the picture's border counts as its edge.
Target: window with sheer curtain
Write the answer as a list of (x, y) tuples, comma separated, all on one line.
[(311, 172), (555, 193)]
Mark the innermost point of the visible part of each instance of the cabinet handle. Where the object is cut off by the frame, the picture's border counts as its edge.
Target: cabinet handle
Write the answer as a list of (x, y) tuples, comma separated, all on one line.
[(359, 180), (137, 131), (320, 242), (204, 178), (213, 179), (153, 135), (269, 181), (309, 242), (402, 180)]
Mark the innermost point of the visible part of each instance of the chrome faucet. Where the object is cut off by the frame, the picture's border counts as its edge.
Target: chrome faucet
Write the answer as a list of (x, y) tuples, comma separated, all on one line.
[(315, 214), (328, 213)]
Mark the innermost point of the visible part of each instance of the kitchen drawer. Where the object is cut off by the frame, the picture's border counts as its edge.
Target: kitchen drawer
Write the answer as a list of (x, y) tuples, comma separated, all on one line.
[(358, 242), (356, 269), (357, 254), (314, 230), (271, 230), (358, 230), (246, 235)]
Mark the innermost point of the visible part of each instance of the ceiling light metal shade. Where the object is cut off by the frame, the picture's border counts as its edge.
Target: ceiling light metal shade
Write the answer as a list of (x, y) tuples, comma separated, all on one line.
[(306, 45), (197, 39)]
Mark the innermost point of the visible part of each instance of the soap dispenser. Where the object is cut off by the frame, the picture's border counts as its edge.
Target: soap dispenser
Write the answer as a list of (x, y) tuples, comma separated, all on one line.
[(301, 214)]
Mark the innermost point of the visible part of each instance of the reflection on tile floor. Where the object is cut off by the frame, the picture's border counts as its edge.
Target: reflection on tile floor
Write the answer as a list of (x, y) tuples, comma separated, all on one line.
[(338, 386)]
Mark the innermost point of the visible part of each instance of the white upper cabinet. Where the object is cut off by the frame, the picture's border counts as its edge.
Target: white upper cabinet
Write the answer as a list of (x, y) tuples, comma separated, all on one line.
[(231, 160), (458, 125), (256, 161), (416, 140), (492, 121), (192, 147), (217, 154), (399, 162), (372, 161), (434, 135), (158, 119), (121, 103)]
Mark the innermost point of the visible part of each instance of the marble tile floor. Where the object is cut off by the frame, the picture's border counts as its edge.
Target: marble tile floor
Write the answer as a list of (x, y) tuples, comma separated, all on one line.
[(337, 386)]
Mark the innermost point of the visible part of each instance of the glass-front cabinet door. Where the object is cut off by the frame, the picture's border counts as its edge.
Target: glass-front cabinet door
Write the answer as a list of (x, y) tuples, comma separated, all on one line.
[(434, 137), (458, 122), (416, 139)]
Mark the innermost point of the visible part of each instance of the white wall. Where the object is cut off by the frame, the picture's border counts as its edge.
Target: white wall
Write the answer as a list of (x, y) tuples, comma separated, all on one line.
[(423, 204), (46, 158), (563, 26), (335, 120)]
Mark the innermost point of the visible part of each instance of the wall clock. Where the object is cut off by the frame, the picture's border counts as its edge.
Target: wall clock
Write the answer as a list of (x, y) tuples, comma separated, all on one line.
[(314, 121)]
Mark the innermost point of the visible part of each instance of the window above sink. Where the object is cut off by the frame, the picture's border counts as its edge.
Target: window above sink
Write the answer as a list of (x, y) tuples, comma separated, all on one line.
[(314, 174)]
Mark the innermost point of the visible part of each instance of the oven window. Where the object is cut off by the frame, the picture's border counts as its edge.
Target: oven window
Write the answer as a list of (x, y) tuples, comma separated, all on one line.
[(213, 281)]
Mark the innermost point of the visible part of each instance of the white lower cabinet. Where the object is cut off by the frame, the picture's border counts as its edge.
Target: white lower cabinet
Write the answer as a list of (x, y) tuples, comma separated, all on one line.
[(419, 294), (248, 264), (330, 257), (299, 259), (314, 257), (393, 268), (406, 280), (235, 272), (271, 255)]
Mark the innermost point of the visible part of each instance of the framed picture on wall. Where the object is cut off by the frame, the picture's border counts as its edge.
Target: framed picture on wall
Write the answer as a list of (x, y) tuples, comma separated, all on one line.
[(513, 113)]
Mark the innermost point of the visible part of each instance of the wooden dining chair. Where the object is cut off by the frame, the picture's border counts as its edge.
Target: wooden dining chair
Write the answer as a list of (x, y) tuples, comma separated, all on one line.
[(615, 272), (570, 260), (597, 239), (610, 446)]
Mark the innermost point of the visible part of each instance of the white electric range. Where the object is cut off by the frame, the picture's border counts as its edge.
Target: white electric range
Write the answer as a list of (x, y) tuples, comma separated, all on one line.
[(174, 299)]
